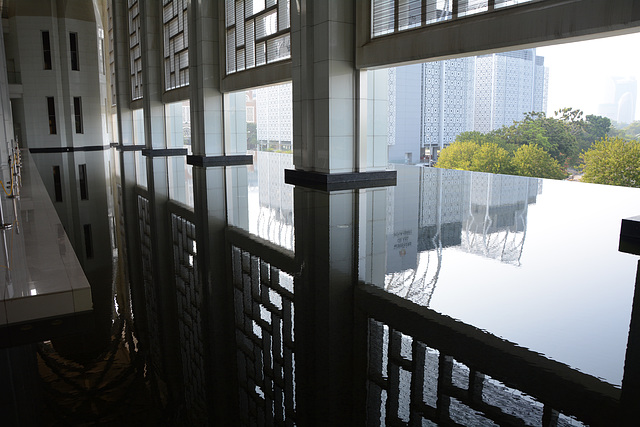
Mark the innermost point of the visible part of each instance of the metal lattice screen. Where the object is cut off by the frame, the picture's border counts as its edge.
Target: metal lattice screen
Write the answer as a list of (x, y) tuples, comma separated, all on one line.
[(264, 317), (390, 16), (410, 383), (175, 24), (135, 50), (189, 299), (257, 33)]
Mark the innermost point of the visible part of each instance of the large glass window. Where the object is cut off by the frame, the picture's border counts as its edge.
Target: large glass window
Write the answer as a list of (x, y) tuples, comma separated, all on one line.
[(138, 139), (178, 134), (269, 134)]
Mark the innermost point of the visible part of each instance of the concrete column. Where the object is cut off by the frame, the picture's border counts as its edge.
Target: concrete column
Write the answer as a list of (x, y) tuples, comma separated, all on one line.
[(324, 85), (204, 79)]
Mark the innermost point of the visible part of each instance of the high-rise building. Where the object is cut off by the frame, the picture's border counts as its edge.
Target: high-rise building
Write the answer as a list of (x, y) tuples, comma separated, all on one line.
[(507, 86), (432, 103), (621, 105)]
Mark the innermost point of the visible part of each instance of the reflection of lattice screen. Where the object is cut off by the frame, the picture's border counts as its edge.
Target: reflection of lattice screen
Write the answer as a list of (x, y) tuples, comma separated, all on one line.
[(257, 33), (189, 298), (151, 297), (176, 43), (264, 312), (411, 383), (135, 50)]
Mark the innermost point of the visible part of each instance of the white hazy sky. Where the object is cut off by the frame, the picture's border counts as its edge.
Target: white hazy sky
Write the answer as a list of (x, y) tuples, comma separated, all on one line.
[(580, 72)]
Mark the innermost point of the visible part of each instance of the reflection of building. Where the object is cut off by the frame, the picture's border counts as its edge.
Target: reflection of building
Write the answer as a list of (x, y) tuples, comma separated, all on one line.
[(621, 106), (58, 51), (482, 214), (275, 220)]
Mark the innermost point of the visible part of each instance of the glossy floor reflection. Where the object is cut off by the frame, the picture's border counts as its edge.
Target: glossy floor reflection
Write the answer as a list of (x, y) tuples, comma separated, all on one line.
[(451, 298)]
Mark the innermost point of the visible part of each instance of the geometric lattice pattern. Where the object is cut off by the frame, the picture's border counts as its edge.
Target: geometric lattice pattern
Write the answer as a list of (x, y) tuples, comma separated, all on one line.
[(150, 294), (189, 299), (176, 43), (508, 85), (257, 33), (412, 384), (264, 311), (135, 50), (112, 58), (389, 16)]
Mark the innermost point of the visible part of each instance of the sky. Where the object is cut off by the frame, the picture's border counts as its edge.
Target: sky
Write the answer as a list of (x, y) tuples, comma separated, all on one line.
[(580, 72)]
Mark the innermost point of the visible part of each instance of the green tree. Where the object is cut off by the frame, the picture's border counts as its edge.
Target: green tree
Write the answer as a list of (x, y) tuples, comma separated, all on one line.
[(633, 130), (613, 161), (458, 155), (490, 157), (531, 160)]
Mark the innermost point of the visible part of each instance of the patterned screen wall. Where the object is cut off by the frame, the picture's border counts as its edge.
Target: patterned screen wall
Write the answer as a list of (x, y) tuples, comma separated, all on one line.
[(176, 43), (390, 16), (135, 50), (151, 296), (257, 33), (410, 383), (264, 313), (189, 298)]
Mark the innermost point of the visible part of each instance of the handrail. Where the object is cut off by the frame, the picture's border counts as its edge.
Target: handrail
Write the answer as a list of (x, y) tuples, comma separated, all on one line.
[(552, 383), (269, 252)]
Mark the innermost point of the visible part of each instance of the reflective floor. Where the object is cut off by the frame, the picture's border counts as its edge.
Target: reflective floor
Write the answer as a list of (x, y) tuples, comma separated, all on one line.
[(451, 298)]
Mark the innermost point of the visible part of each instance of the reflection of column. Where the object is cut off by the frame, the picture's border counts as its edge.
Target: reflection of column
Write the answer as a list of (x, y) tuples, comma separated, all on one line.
[(372, 235), (324, 306), (158, 191), (218, 140)]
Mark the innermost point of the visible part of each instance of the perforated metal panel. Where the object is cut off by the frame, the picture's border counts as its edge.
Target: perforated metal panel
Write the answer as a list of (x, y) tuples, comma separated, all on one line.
[(264, 317)]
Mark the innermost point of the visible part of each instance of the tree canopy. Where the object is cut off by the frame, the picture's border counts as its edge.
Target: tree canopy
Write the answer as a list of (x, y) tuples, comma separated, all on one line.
[(613, 161), (527, 160)]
